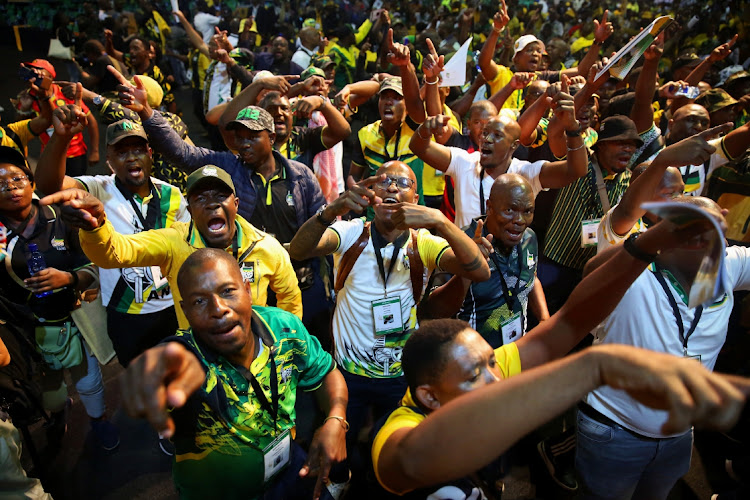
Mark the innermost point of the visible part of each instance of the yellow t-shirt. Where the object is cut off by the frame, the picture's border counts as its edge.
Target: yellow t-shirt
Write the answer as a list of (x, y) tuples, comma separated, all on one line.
[(504, 74), (22, 130), (508, 360)]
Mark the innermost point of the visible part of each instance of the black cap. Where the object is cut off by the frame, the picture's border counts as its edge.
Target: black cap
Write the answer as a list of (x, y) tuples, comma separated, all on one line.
[(618, 128)]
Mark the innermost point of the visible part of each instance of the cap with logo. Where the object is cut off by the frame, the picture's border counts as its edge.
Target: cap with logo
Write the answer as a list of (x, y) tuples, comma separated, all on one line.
[(208, 173), (393, 83), (312, 71), (322, 61), (43, 64), (253, 118), (123, 129), (618, 128), (523, 41)]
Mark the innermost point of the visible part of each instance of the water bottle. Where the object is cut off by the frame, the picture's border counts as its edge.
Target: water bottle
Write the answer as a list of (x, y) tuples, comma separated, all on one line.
[(36, 263)]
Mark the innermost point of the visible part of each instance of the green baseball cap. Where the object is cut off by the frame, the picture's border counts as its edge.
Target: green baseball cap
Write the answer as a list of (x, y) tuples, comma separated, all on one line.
[(208, 173), (393, 83), (312, 71), (123, 129)]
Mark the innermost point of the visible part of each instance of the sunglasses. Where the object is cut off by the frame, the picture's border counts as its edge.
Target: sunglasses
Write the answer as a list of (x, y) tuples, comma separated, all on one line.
[(403, 183)]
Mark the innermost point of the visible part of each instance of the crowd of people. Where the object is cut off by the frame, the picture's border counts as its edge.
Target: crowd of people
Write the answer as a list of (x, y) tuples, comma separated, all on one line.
[(395, 240)]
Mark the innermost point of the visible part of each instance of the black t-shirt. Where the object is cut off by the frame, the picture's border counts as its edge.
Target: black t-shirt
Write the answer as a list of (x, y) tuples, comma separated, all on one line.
[(61, 250), (458, 140)]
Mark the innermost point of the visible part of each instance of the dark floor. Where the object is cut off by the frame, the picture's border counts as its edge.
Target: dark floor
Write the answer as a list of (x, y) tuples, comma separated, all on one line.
[(138, 469)]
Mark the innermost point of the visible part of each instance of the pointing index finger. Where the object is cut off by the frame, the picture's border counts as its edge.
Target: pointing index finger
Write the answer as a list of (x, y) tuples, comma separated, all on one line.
[(118, 75), (564, 84), (431, 47), (604, 17), (389, 39), (371, 180), (478, 230), (717, 130), (79, 95)]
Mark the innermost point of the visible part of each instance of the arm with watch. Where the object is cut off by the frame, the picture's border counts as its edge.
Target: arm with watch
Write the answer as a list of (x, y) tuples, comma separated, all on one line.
[(314, 239)]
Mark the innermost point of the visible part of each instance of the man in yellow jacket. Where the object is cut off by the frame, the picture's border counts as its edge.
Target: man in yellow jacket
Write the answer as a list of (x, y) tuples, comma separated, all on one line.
[(212, 204)]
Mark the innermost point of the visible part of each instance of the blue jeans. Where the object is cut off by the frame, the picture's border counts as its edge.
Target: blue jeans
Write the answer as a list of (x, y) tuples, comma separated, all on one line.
[(613, 463)]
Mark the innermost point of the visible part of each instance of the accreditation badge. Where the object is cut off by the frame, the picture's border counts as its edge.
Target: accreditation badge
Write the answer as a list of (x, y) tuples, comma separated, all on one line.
[(276, 455), (589, 228), (512, 329), (248, 272), (387, 315)]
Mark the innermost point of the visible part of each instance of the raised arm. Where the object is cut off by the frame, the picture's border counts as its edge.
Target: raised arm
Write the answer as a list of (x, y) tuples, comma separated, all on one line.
[(249, 96), (337, 128), (597, 296), (398, 55), (67, 121), (109, 47), (561, 173), (486, 63), (461, 105), (718, 54), (602, 31), (693, 150), (642, 113), (434, 154), (162, 137), (43, 120), (314, 239), (517, 82), (195, 38), (463, 258), (92, 126), (502, 413), (538, 301)]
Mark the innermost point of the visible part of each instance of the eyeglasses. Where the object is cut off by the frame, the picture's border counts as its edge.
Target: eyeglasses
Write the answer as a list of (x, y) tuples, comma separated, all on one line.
[(16, 182), (403, 183)]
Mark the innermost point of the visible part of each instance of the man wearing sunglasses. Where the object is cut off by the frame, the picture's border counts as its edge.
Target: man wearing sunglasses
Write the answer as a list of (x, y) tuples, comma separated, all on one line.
[(381, 269)]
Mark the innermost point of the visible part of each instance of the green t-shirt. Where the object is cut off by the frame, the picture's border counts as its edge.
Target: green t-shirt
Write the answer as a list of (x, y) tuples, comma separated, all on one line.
[(222, 430)]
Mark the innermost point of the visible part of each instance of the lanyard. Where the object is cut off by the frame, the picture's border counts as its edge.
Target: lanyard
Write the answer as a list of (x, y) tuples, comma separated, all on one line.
[(395, 150), (18, 230), (677, 316), (271, 408), (510, 296), (600, 187), (377, 244), (235, 244), (151, 210), (482, 204)]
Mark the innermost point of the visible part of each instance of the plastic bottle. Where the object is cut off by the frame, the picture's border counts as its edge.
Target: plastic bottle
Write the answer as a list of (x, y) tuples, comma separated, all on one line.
[(35, 261)]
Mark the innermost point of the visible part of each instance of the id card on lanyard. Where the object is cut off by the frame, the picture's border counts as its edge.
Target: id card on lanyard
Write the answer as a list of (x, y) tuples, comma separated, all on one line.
[(386, 312), (590, 227), (513, 327), (684, 337)]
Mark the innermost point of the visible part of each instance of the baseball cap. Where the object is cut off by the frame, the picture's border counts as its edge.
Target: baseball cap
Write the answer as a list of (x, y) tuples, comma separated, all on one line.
[(618, 128), (260, 75), (253, 118), (15, 157), (123, 129), (154, 92), (322, 62), (393, 83), (523, 41), (736, 78), (312, 71), (726, 74), (715, 99), (43, 64), (208, 173)]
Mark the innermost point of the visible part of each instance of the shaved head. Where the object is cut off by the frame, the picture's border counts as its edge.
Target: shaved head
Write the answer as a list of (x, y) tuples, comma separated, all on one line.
[(507, 182), (197, 261)]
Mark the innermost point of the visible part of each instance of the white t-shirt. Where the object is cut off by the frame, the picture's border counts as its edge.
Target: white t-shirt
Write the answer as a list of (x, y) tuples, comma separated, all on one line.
[(466, 170), (358, 349), (302, 57), (205, 24), (221, 86), (644, 318), (143, 289)]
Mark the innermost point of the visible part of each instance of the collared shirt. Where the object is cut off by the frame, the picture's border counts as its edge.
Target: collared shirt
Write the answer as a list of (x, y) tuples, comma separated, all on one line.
[(17, 135), (274, 212), (135, 290), (223, 428), (372, 149), (575, 203), (485, 307), (167, 249)]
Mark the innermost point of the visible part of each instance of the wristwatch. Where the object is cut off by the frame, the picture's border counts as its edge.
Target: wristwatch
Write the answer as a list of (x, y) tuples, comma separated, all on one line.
[(576, 132), (97, 100), (319, 217)]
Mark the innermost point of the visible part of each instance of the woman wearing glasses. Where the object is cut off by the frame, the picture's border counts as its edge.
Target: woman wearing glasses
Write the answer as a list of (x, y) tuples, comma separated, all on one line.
[(43, 302)]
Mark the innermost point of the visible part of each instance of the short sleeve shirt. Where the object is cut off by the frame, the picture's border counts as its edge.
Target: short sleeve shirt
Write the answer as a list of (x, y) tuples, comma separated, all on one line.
[(358, 349), (467, 174)]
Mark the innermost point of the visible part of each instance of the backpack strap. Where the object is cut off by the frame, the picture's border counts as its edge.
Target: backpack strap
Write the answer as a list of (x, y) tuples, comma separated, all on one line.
[(416, 267), (350, 257)]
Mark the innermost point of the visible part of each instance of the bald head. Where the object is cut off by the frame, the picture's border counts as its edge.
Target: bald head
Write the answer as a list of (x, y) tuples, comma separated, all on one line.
[(309, 37), (688, 120), (483, 106), (202, 260), (505, 183), (509, 126)]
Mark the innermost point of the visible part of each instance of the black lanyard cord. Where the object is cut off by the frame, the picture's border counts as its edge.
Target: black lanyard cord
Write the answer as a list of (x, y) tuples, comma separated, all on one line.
[(271, 408), (377, 244), (677, 316), (395, 151), (482, 204), (152, 209), (510, 297)]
